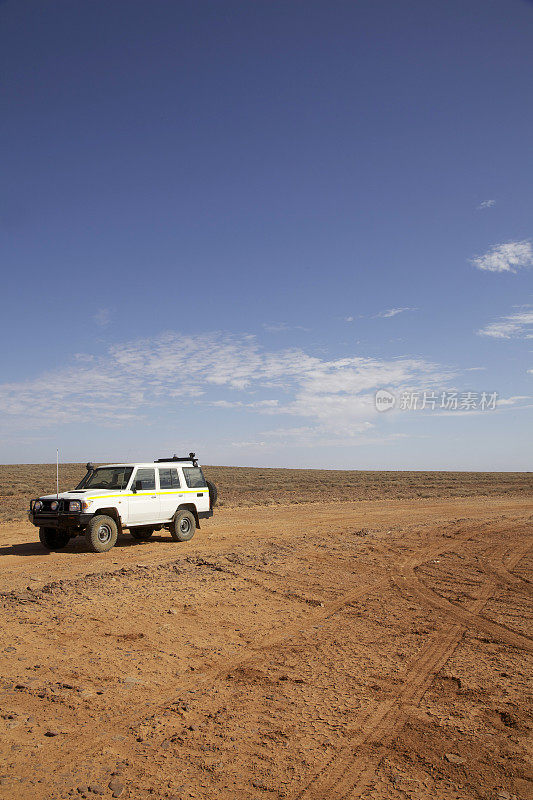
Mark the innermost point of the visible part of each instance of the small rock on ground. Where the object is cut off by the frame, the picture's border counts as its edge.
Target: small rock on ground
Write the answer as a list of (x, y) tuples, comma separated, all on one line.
[(116, 787), (453, 758)]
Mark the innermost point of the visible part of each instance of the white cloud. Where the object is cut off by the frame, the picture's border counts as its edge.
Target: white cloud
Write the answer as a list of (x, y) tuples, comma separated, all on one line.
[(308, 436), (517, 325), (385, 314), (392, 312), (512, 401), (102, 317), (339, 395), (335, 397), (264, 405), (486, 204), (516, 402), (282, 327), (507, 257)]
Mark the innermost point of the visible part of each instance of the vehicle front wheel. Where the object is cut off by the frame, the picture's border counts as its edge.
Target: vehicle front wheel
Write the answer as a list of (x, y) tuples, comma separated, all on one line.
[(141, 534), (53, 539), (101, 533), (183, 526)]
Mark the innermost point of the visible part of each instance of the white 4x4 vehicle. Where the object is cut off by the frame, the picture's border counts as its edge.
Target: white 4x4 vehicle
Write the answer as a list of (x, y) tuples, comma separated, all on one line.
[(169, 493)]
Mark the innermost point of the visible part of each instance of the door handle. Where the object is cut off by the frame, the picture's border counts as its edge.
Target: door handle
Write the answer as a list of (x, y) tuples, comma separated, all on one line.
[(153, 497)]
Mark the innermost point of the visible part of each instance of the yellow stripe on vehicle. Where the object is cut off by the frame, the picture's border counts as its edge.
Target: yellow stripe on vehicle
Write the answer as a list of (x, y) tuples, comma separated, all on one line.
[(144, 493)]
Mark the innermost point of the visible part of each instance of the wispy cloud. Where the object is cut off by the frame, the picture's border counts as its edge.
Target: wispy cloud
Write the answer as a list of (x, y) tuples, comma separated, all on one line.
[(281, 327), (102, 317), (385, 314), (507, 257), (514, 400), (517, 325), (334, 397), (309, 437), (486, 204), (392, 312)]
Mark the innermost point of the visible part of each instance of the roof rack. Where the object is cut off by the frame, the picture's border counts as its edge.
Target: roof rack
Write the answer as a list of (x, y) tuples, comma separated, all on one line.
[(190, 457)]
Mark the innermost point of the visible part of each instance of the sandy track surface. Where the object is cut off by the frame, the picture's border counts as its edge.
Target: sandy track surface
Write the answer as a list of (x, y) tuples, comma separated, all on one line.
[(352, 650)]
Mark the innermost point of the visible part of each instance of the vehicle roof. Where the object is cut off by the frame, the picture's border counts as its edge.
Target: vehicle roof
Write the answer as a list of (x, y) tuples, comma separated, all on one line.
[(148, 464)]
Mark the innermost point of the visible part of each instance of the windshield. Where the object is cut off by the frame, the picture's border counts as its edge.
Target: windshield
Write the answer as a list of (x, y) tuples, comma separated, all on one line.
[(106, 478)]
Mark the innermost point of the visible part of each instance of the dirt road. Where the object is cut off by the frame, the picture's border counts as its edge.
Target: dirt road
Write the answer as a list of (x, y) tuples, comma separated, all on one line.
[(379, 649)]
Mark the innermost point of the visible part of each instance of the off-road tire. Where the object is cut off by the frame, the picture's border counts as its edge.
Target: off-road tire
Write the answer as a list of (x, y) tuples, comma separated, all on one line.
[(141, 534), (101, 533), (213, 493), (183, 526), (52, 539)]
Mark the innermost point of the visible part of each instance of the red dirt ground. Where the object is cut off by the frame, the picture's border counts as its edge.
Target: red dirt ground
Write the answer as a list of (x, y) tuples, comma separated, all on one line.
[(378, 649)]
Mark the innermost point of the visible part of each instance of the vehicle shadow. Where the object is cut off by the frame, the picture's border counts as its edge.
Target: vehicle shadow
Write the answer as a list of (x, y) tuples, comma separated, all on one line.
[(75, 546), (127, 541), (25, 549)]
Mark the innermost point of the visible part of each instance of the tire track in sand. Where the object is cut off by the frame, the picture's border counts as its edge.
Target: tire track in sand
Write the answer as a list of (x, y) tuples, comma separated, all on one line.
[(347, 774), (408, 581), (433, 654), (499, 569), (341, 773)]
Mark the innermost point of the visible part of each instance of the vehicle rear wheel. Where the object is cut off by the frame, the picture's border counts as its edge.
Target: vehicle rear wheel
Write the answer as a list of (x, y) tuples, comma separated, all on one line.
[(213, 493), (183, 526), (53, 539), (141, 534), (101, 533)]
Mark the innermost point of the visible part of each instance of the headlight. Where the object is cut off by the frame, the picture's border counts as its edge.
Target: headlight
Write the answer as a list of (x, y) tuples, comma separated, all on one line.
[(54, 505), (37, 505), (74, 505)]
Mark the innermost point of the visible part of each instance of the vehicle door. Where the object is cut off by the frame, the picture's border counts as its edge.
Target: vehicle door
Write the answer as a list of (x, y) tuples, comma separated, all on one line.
[(170, 491), (143, 503), (197, 491)]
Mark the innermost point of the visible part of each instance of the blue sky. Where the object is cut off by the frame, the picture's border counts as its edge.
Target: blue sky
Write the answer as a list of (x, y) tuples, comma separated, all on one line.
[(225, 225)]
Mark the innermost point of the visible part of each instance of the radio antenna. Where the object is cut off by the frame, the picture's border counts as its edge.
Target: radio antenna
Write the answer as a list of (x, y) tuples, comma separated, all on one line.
[(57, 473)]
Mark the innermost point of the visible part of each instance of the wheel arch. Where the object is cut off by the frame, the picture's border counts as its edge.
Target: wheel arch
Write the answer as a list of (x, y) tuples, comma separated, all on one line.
[(112, 512), (189, 507)]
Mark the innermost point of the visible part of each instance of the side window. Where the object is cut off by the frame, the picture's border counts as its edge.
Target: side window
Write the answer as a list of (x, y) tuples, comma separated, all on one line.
[(121, 477), (194, 477), (169, 478), (145, 480)]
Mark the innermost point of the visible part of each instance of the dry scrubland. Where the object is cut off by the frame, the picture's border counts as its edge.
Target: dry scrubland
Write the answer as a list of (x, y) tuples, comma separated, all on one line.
[(246, 486), (324, 650)]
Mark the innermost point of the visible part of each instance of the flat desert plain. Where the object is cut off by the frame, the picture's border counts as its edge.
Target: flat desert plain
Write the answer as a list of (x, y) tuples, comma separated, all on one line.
[(344, 635)]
